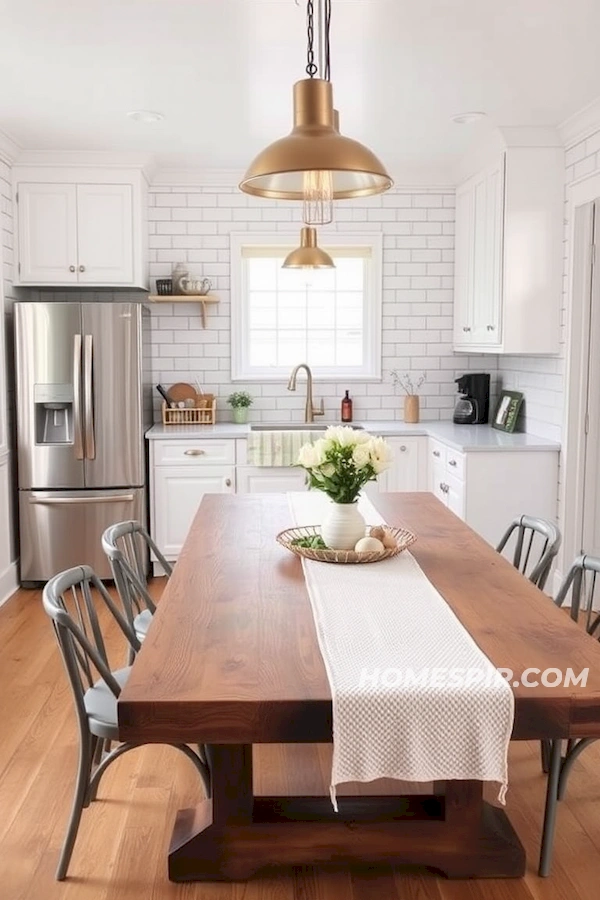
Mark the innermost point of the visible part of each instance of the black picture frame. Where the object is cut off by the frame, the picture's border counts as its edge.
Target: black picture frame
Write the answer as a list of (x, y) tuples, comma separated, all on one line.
[(507, 411)]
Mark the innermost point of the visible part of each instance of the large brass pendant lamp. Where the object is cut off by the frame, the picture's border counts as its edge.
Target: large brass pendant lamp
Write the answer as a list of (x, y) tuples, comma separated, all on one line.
[(315, 164)]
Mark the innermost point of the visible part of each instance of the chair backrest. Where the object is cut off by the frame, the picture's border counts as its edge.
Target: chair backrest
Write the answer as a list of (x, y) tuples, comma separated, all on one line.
[(581, 583), (537, 542), (126, 545), (69, 602)]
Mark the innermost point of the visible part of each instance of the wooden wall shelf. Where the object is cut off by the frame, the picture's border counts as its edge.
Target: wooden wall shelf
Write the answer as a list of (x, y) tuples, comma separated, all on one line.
[(186, 298)]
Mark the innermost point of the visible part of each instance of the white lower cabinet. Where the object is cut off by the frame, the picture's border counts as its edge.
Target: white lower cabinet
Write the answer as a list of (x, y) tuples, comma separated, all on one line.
[(266, 480), (176, 493), (408, 471), (489, 489)]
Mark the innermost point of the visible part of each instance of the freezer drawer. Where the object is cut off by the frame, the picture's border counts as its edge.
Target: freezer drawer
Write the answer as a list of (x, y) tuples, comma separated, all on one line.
[(61, 529)]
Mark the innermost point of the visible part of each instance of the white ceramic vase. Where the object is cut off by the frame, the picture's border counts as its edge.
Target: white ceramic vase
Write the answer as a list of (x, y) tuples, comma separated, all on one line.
[(342, 526)]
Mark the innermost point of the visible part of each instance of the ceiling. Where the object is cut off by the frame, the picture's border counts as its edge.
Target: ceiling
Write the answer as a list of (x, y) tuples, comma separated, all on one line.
[(221, 72)]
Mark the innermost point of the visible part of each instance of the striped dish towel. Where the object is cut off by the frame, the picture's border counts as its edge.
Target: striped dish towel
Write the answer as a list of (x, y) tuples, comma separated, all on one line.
[(275, 448)]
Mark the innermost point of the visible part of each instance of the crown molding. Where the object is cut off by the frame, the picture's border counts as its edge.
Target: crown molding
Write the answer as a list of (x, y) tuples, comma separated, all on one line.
[(88, 159), (581, 124), (9, 149), (491, 143)]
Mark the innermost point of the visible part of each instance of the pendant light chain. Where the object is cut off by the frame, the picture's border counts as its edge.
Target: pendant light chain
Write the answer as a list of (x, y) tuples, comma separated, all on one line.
[(311, 67), (326, 40)]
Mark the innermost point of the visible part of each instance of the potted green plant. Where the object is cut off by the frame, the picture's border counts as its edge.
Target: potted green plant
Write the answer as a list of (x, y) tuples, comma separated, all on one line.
[(239, 402)]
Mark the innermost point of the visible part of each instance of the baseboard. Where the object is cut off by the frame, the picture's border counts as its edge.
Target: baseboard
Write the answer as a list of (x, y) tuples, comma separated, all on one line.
[(9, 582)]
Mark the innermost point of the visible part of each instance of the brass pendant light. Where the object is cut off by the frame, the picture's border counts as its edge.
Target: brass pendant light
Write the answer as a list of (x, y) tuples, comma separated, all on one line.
[(315, 163), (308, 255)]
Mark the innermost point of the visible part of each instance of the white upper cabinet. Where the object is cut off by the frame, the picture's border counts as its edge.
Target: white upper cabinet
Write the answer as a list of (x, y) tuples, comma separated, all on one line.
[(47, 234), (80, 232), (105, 233), (508, 265)]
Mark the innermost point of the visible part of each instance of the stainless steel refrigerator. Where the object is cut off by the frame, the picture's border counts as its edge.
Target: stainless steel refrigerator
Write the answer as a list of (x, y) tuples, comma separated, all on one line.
[(82, 411)]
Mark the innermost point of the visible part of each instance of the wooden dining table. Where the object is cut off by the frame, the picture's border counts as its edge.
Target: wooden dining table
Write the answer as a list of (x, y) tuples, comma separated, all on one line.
[(232, 660)]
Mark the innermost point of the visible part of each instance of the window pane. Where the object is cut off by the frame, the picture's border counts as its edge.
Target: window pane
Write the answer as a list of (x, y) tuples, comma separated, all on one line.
[(349, 350), (263, 348), (350, 318), (321, 315), (292, 318), (263, 299), (262, 318), (350, 273), (261, 273), (319, 279), (291, 348), (321, 348)]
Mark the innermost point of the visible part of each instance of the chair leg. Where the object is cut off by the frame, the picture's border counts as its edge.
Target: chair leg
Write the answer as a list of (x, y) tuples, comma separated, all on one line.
[(576, 747), (545, 755), (86, 752), (550, 809)]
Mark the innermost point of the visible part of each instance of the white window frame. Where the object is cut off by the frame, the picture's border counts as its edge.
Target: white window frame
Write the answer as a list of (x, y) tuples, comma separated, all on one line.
[(371, 368)]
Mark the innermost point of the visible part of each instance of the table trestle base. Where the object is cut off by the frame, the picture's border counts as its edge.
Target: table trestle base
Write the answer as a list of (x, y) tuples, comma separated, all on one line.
[(235, 836)]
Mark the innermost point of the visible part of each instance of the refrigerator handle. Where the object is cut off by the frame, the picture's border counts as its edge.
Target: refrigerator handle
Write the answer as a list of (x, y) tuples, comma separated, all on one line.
[(73, 501), (88, 398), (77, 396)]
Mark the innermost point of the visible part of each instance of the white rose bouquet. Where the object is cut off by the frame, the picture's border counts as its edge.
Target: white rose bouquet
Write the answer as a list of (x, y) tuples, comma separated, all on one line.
[(343, 461)]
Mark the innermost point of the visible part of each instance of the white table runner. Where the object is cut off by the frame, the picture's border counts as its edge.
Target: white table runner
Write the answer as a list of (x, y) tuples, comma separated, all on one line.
[(414, 698)]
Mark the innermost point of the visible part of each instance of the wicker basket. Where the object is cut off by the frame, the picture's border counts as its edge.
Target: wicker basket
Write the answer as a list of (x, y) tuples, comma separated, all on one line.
[(194, 415), (402, 536)]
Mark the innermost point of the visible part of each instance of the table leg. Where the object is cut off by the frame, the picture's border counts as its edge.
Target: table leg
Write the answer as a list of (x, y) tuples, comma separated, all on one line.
[(236, 835)]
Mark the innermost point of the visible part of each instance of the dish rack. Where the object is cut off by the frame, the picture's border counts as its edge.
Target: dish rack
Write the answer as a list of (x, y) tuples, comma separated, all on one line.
[(190, 415)]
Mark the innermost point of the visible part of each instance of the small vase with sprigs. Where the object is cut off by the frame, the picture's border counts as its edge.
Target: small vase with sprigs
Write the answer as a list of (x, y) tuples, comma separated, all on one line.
[(410, 388)]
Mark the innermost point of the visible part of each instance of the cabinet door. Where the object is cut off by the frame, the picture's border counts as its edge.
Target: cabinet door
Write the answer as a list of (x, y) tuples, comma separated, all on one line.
[(463, 263), (455, 495), (176, 498), (47, 231), (403, 475), (437, 479), (487, 256), (105, 233), (257, 480)]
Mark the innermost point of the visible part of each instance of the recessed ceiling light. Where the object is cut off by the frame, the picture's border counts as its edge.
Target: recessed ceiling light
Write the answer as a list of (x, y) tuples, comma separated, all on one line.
[(145, 115), (468, 118)]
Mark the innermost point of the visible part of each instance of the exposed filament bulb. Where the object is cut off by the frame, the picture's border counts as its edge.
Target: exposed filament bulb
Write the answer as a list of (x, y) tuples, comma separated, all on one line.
[(318, 197)]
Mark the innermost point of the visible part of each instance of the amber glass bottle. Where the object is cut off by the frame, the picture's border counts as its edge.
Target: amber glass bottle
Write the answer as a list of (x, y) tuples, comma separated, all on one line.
[(347, 408)]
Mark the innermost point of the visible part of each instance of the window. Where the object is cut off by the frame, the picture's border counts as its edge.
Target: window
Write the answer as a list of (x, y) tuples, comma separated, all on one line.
[(328, 318)]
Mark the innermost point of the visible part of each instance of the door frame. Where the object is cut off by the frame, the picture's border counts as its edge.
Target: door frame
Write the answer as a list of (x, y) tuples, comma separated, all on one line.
[(580, 193)]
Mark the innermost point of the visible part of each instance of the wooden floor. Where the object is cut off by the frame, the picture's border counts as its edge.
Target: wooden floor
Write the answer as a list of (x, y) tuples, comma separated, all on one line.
[(121, 850)]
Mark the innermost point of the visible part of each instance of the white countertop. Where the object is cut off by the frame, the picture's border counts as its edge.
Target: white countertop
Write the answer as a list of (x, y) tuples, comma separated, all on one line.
[(459, 437)]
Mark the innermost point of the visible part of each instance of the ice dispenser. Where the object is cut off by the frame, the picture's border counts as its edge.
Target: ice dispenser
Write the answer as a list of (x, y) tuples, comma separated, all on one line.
[(53, 413)]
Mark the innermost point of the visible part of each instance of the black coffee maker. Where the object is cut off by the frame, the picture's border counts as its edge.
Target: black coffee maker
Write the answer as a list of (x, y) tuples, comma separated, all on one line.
[(473, 404)]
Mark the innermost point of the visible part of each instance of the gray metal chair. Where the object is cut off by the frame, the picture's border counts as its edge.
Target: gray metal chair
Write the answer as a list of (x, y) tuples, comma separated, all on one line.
[(580, 582), (537, 542), (126, 545), (69, 602)]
